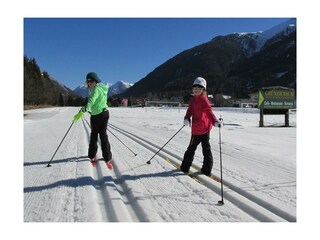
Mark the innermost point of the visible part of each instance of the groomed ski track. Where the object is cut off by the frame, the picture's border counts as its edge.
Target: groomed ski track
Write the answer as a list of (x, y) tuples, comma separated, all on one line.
[(257, 208), (135, 191), (254, 206)]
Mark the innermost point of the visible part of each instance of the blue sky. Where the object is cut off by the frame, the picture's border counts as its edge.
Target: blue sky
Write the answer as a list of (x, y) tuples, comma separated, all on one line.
[(121, 48)]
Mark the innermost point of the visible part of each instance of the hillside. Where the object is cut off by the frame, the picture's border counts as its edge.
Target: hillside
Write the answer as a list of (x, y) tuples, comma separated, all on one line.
[(40, 88), (273, 65), (234, 64)]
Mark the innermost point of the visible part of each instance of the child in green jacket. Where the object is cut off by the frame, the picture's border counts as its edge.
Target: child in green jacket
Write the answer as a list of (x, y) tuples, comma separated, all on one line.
[(98, 108)]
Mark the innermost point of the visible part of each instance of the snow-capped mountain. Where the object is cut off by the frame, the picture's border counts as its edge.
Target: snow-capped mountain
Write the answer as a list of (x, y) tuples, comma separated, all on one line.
[(82, 90), (262, 37), (228, 63), (284, 28), (114, 89), (119, 87)]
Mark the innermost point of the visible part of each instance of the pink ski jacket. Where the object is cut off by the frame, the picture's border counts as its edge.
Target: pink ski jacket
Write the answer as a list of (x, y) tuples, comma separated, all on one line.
[(202, 115)]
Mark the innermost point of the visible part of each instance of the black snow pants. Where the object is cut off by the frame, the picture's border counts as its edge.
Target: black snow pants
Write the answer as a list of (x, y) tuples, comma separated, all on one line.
[(99, 125), (206, 151)]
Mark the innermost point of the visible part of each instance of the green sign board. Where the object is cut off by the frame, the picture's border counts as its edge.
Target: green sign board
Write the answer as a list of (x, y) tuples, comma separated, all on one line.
[(277, 98)]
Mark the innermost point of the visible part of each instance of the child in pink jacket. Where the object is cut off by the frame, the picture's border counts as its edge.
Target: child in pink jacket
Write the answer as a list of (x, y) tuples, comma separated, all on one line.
[(203, 119)]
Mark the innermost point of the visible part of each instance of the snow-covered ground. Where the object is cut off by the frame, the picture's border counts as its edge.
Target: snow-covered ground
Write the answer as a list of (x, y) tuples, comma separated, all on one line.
[(259, 169)]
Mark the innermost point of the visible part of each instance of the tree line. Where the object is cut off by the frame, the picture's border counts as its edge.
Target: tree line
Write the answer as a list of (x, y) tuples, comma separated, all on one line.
[(41, 89)]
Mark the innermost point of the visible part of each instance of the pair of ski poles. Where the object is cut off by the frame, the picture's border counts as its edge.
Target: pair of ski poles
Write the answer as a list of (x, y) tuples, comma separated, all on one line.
[(221, 202), (49, 163)]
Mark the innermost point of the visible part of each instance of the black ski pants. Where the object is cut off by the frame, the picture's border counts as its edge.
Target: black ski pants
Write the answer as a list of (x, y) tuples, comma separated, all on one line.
[(206, 151), (99, 125)]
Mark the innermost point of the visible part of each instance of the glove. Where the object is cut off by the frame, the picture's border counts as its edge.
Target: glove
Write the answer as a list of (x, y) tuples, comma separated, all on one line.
[(78, 116), (218, 123), (187, 123)]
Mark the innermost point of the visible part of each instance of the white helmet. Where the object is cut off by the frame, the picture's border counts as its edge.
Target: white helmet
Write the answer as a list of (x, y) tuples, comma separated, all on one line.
[(200, 82)]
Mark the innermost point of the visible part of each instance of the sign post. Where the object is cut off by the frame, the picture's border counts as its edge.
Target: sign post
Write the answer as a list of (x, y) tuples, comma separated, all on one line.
[(276, 100)]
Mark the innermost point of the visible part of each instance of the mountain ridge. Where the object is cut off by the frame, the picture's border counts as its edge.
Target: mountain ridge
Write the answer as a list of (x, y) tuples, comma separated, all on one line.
[(218, 62)]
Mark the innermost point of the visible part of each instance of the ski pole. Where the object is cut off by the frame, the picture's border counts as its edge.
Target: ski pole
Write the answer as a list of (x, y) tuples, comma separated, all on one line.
[(49, 165), (122, 143), (221, 202), (164, 145)]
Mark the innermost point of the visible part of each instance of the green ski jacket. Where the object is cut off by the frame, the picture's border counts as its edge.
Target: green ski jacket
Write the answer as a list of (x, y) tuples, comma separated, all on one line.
[(97, 101)]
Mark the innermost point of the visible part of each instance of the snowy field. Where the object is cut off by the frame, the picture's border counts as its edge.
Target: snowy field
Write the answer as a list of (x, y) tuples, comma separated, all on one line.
[(259, 169)]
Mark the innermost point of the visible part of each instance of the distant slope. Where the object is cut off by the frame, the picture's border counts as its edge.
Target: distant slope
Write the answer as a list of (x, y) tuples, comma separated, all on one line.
[(233, 64), (40, 88)]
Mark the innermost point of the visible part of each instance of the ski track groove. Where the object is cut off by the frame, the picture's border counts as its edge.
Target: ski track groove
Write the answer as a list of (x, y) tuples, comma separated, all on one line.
[(102, 202), (112, 198), (136, 210), (178, 201), (246, 196), (172, 202)]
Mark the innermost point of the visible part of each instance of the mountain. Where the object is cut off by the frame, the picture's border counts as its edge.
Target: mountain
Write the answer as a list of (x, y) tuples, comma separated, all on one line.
[(273, 62), (283, 29), (114, 89), (82, 90), (234, 64), (118, 88), (40, 88)]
